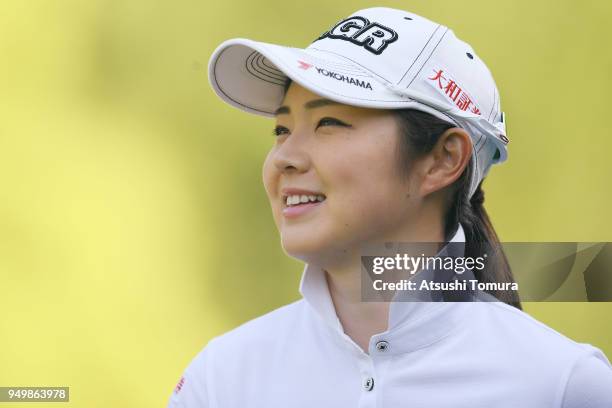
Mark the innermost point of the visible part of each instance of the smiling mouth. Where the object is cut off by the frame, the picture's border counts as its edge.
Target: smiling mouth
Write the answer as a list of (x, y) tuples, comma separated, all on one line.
[(295, 200)]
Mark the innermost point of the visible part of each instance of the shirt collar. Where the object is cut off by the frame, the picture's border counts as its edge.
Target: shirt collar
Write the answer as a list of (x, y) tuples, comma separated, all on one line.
[(427, 320)]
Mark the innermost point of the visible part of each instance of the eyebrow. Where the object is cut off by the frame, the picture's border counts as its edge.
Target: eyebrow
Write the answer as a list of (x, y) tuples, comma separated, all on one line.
[(315, 103)]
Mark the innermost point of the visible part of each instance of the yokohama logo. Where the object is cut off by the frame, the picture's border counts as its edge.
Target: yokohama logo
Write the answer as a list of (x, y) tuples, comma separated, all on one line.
[(338, 77), (345, 78)]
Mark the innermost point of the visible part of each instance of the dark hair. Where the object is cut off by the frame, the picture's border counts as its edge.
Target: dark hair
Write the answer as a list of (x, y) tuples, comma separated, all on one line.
[(420, 132)]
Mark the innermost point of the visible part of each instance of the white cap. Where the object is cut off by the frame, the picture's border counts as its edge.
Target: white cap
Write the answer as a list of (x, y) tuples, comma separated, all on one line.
[(377, 58)]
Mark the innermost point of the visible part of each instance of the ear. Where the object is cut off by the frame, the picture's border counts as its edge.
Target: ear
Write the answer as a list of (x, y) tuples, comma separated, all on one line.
[(446, 161)]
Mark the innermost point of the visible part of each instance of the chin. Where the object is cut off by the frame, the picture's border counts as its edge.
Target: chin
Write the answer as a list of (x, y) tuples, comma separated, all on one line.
[(305, 244), (303, 248), (313, 246)]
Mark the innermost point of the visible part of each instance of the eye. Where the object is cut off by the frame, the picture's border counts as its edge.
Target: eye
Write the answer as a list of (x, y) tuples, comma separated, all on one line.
[(327, 121), (280, 130)]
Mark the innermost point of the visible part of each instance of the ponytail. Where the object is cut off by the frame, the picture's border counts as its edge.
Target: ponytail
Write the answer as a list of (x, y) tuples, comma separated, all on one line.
[(481, 239), (421, 132)]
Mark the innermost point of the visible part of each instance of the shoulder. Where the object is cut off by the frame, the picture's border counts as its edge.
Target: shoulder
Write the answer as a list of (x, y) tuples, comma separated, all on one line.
[(541, 355), (589, 384), (519, 330), (264, 328), (231, 354), (250, 341)]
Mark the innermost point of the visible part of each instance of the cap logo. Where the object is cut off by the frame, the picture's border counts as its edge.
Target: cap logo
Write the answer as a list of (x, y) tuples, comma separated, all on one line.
[(304, 65), (453, 91), (374, 37), (335, 75), (344, 78)]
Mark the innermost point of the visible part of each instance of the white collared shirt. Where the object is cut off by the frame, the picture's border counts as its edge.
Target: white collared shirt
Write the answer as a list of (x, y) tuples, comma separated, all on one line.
[(433, 354)]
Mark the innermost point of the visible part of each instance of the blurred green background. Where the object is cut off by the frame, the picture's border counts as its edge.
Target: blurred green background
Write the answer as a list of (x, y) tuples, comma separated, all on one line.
[(133, 221)]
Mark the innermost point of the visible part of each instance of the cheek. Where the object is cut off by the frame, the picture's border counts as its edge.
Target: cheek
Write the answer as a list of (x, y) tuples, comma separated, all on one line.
[(268, 174), (270, 182), (366, 189)]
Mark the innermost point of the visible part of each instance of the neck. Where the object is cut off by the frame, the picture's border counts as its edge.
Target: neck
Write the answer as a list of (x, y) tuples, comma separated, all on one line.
[(361, 320)]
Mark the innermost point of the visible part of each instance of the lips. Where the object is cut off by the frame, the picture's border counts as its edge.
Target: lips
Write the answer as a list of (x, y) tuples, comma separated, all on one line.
[(299, 196), (299, 201)]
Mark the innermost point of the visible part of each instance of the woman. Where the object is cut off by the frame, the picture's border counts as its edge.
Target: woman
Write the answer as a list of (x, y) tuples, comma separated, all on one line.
[(386, 126)]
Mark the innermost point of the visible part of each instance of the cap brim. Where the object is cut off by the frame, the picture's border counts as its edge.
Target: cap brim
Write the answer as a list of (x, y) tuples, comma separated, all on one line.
[(251, 76)]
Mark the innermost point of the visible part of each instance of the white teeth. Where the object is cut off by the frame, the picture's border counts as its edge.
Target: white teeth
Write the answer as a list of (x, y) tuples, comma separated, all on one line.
[(299, 199)]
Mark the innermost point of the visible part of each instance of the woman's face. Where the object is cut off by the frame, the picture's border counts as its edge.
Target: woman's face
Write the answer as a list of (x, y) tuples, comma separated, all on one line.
[(346, 155)]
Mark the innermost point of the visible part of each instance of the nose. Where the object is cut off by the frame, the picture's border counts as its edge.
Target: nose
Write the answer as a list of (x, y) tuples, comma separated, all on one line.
[(292, 155)]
